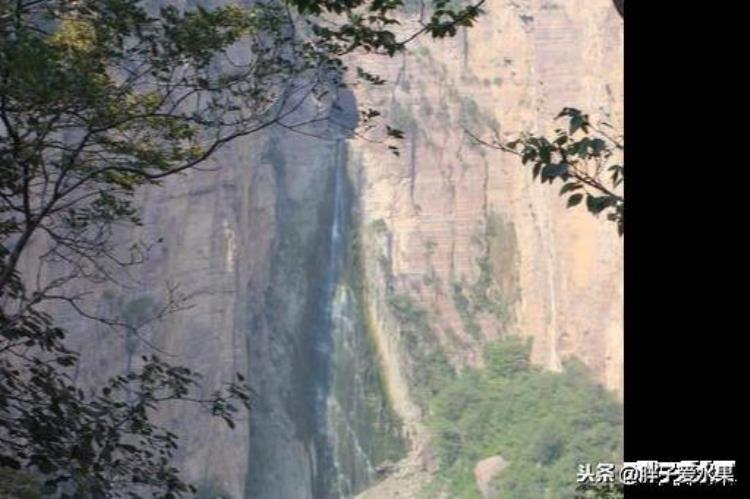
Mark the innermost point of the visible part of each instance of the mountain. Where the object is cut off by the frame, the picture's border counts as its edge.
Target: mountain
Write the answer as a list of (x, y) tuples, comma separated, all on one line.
[(348, 284)]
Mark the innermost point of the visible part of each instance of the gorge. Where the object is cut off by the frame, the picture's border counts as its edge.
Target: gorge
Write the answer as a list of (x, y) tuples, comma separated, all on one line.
[(350, 285)]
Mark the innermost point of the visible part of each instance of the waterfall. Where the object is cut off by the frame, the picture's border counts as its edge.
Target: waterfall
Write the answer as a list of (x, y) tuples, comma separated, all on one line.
[(354, 428), (321, 425), (322, 330)]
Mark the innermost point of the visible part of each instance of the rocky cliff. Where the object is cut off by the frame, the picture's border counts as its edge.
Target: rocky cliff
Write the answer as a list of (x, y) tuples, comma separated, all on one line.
[(463, 231), (470, 219), (344, 281)]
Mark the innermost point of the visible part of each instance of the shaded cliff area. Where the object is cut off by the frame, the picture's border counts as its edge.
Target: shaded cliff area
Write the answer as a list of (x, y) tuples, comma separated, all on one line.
[(337, 423)]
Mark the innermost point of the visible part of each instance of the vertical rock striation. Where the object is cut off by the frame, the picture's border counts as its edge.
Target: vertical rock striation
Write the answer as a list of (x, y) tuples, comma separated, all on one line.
[(472, 238)]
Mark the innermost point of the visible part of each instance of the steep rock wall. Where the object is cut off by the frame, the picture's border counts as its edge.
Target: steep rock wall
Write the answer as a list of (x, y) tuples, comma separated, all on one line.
[(454, 243), (466, 224)]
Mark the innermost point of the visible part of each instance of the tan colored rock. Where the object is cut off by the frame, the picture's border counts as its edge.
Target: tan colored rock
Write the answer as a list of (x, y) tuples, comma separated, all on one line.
[(558, 270), (487, 470)]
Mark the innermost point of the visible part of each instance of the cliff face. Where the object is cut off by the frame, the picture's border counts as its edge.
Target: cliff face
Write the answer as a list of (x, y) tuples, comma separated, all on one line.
[(463, 231), (343, 280), (470, 234)]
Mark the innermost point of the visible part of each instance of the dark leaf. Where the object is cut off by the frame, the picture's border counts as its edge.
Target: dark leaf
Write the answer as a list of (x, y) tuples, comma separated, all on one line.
[(569, 187), (574, 199), (552, 171), (596, 204)]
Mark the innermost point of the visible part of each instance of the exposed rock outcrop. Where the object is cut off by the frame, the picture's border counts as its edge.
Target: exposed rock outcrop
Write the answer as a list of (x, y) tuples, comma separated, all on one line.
[(487, 470)]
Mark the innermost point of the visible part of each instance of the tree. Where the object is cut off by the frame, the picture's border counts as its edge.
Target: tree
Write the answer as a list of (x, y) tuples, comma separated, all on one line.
[(97, 99), (585, 157)]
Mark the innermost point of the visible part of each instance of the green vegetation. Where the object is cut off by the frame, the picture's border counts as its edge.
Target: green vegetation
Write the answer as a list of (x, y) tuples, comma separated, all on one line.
[(17, 484), (501, 263), (480, 291), (379, 226), (543, 423), (412, 316), (431, 369), (496, 287), (600, 491), (365, 412), (432, 279), (467, 310), (366, 427)]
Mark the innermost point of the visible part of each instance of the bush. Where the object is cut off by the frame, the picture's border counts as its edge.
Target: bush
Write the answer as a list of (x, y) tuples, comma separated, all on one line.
[(509, 357), (543, 423), (431, 368)]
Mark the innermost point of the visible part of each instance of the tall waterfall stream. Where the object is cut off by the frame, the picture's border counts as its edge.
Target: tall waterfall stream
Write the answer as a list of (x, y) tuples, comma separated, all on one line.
[(325, 425)]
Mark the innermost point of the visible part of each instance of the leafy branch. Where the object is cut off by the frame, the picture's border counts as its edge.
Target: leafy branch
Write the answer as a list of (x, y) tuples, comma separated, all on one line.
[(586, 158)]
